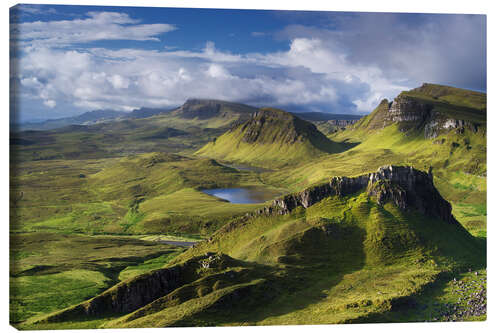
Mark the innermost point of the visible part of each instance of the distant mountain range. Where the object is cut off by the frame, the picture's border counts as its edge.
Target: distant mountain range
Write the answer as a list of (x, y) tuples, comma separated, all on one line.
[(202, 109), (90, 118)]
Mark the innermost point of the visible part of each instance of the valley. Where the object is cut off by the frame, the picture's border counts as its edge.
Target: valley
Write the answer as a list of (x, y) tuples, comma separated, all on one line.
[(218, 213)]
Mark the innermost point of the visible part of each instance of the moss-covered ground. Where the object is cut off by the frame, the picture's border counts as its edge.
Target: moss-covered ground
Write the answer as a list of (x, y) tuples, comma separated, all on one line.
[(88, 207)]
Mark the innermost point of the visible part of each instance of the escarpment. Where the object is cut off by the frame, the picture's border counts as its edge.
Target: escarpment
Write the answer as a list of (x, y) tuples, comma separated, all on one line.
[(137, 292), (412, 113), (432, 109), (406, 187)]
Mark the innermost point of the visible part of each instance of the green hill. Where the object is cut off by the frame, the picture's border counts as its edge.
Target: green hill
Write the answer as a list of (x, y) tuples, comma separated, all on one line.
[(185, 129), (354, 243), (422, 134), (435, 109), (344, 251), (271, 138), (410, 130)]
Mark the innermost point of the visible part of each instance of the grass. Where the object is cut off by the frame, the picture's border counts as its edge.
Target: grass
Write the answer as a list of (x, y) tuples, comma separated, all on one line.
[(430, 303), (148, 265), (340, 260), (40, 294), (88, 204), (280, 139), (51, 271), (147, 193)]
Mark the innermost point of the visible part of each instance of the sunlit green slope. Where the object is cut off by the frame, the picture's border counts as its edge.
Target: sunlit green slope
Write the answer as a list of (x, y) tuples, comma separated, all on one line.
[(272, 138)]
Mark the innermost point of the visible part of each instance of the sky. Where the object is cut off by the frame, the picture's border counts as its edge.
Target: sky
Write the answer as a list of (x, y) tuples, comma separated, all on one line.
[(66, 60)]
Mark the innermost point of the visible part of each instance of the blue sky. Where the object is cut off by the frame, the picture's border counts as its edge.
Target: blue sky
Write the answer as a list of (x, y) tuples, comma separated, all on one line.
[(72, 59)]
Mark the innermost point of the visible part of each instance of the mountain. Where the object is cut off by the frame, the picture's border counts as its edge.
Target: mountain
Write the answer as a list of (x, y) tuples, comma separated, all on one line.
[(323, 116), (186, 128), (346, 250), (270, 138), (210, 108), (433, 125), (146, 113), (328, 123), (90, 117), (435, 109)]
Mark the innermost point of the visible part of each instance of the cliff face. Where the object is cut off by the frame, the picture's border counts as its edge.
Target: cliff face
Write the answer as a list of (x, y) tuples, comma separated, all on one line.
[(412, 113), (433, 109), (133, 294), (406, 187)]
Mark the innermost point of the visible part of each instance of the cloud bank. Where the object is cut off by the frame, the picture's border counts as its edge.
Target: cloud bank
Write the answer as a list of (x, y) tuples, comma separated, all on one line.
[(348, 69)]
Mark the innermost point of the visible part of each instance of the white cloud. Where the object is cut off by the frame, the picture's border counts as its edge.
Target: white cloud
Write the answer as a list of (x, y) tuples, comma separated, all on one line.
[(309, 76), (50, 103), (315, 73), (97, 26), (217, 72), (118, 81)]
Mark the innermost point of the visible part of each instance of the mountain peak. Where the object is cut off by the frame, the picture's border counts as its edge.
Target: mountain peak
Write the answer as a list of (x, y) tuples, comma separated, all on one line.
[(270, 136), (270, 125)]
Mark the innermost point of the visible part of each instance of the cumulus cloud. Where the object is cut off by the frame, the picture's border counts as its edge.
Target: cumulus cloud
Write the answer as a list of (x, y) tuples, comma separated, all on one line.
[(97, 26), (127, 78), (438, 48), (308, 76), (344, 70)]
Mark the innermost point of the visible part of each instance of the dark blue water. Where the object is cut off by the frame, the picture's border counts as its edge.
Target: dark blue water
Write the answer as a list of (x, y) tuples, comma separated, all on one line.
[(242, 195)]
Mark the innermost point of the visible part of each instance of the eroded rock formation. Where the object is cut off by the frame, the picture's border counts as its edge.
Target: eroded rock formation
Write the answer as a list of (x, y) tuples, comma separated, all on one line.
[(406, 187)]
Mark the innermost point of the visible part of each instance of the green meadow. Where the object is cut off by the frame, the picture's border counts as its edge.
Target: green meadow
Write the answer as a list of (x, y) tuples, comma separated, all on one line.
[(92, 209)]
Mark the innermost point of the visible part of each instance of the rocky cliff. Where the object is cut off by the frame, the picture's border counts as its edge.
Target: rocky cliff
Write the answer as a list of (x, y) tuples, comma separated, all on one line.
[(433, 109), (137, 292), (406, 187)]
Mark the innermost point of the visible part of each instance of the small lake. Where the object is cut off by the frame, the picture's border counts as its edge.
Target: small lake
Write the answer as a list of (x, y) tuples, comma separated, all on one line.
[(242, 195)]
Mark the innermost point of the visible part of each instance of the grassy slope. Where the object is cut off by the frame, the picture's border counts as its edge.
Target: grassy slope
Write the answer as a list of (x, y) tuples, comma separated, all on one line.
[(273, 146), (52, 271), (57, 199), (170, 132), (229, 147), (341, 260), (149, 193)]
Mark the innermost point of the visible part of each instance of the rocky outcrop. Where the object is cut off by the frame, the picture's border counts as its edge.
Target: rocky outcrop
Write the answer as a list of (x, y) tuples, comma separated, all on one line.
[(414, 110), (133, 294), (404, 109), (406, 187)]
